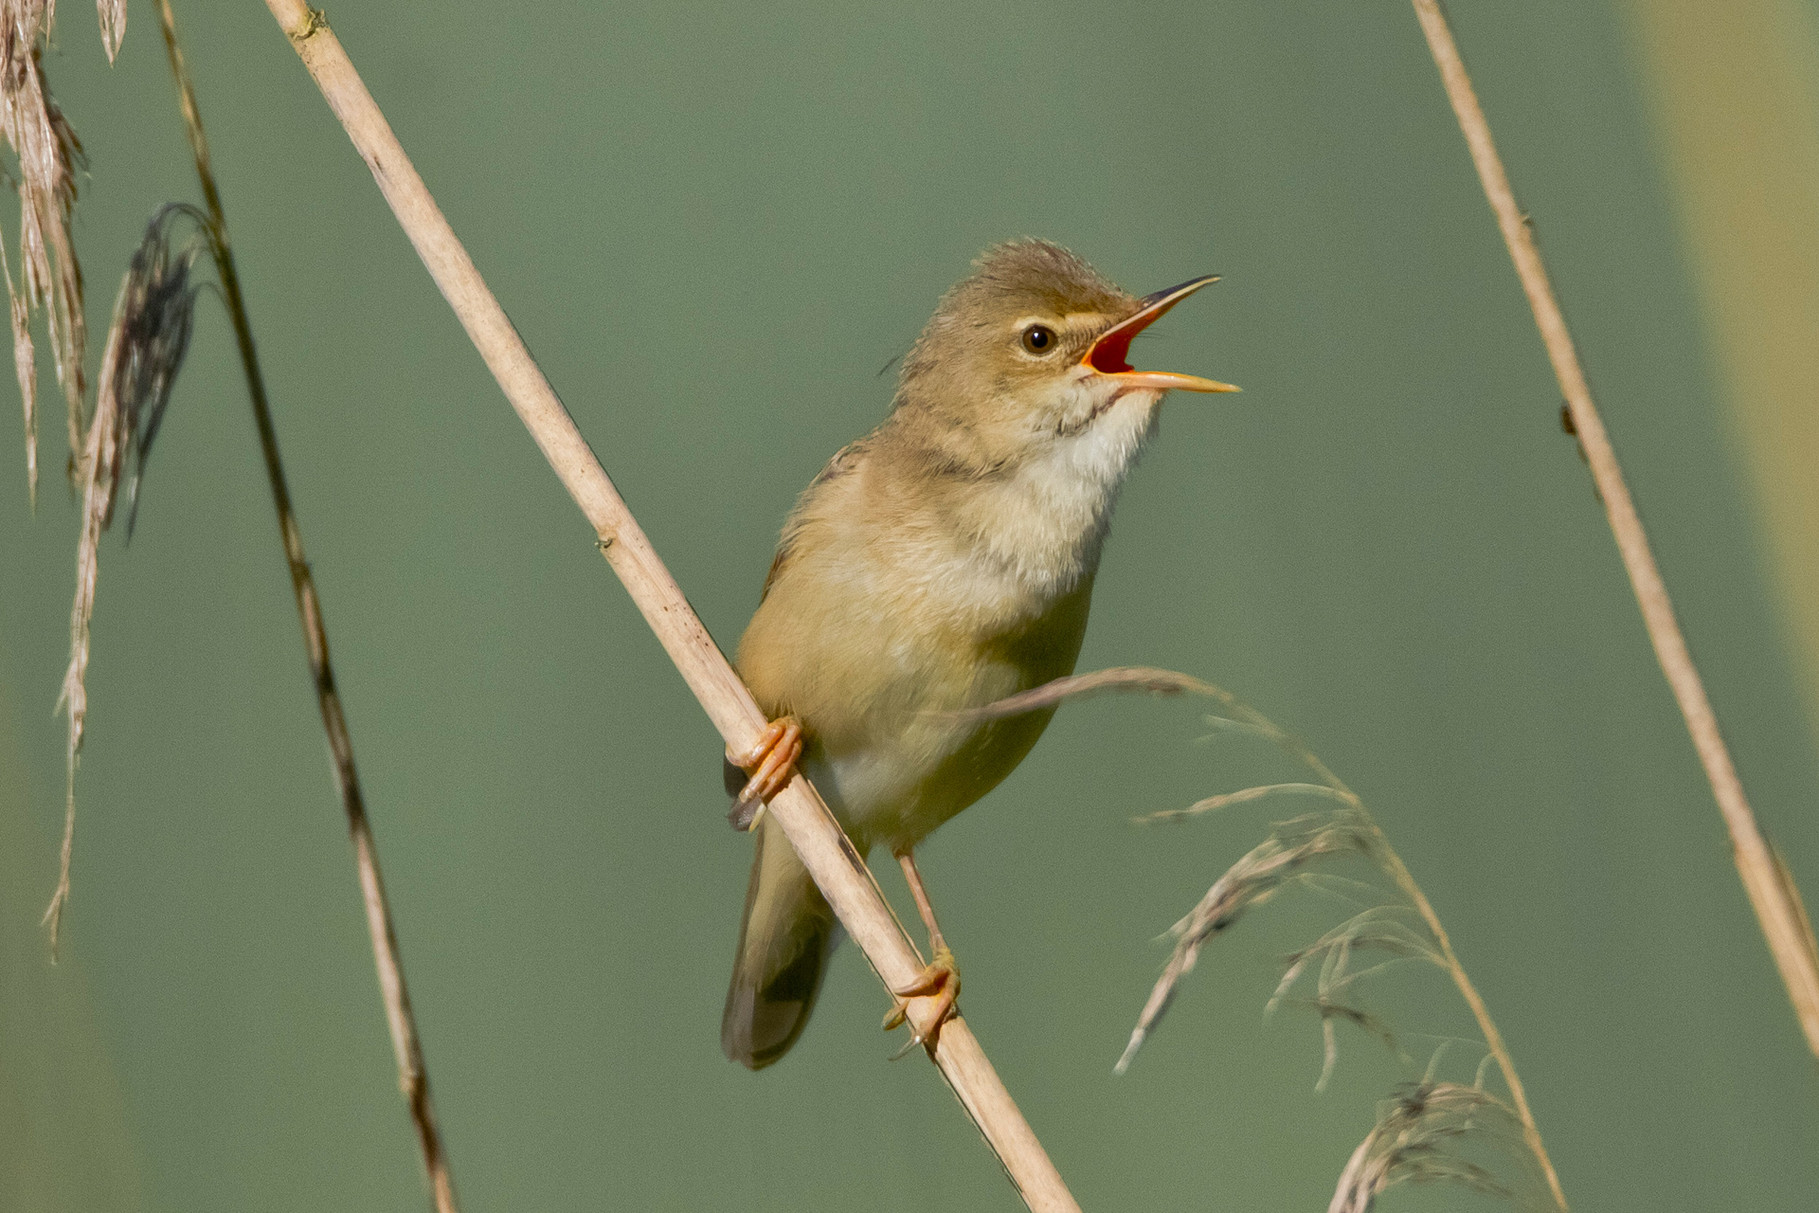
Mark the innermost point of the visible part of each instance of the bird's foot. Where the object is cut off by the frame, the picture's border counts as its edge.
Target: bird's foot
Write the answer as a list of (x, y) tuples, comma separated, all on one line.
[(770, 763), (940, 978)]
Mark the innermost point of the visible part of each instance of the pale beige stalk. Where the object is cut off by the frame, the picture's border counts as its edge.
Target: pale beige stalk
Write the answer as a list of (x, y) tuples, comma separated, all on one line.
[(1769, 885), (413, 1077), (836, 867)]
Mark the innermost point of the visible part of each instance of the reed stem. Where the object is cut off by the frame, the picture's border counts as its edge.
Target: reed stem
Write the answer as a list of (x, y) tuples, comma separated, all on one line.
[(835, 865), (413, 1077), (1769, 885)]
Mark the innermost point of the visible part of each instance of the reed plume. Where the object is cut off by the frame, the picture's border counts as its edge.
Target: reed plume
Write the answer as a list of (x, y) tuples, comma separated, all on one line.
[(1398, 924), (146, 342), (47, 156), (113, 25), (1422, 1134)]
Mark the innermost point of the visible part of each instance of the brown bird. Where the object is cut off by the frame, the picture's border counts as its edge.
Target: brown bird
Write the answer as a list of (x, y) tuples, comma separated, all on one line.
[(940, 563)]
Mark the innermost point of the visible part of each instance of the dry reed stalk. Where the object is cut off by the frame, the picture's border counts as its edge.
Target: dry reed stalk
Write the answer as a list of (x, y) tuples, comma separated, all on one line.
[(1769, 884), (413, 1077), (837, 868), (1271, 863)]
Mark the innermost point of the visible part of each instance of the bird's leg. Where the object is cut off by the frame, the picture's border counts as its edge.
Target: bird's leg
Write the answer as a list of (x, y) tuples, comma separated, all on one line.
[(940, 977), (771, 763)]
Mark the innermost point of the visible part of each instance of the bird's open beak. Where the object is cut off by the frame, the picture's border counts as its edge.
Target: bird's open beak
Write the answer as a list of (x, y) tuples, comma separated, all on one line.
[(1108, 354)]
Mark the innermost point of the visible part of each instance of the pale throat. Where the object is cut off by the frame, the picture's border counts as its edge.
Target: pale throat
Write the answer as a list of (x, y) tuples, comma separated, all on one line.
[(1047, 521)]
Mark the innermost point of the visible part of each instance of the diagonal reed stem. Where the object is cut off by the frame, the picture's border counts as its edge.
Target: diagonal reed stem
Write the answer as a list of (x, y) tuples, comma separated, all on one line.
[(836, 866), (1769, 885), (412, 1076)]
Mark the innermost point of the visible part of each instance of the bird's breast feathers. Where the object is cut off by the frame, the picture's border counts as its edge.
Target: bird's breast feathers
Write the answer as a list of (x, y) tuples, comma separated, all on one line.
[(885, 617)]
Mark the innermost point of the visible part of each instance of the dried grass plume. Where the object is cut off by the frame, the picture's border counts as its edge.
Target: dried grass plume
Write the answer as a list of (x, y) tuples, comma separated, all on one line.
[(1418, 1138), (113, 25), (146, 343), (1396, 924), (47, 158)]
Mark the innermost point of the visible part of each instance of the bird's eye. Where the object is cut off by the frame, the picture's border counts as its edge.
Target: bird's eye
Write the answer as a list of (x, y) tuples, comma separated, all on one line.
[(1039, 339)]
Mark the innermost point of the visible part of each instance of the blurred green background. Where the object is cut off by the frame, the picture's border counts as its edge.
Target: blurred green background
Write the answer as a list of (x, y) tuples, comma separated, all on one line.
[(713, 224)]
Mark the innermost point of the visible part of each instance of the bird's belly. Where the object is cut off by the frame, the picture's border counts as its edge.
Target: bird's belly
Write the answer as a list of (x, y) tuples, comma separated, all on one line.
[(912, 767), (899, 791)]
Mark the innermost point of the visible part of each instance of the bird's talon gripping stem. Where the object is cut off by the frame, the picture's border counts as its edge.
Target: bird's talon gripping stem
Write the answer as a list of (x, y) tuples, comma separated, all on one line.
[(771, 763), (940, 978)]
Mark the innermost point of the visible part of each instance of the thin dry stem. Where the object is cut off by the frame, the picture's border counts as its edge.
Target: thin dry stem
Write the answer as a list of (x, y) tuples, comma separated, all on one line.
[(1769, 886), (1225, 800), (413, 1077), (1148, 680), (1261, 872), (836, 866)]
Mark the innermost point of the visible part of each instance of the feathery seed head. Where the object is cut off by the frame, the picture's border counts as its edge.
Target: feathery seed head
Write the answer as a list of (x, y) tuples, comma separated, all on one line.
[(1419, 1137), (145, 347), (48, 157)]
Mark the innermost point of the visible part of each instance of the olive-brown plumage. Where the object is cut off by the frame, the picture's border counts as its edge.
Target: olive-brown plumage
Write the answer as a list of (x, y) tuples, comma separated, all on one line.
[(943, 561)]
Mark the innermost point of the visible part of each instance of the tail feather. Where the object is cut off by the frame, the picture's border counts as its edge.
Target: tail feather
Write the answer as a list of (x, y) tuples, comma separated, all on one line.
[(787, 934)]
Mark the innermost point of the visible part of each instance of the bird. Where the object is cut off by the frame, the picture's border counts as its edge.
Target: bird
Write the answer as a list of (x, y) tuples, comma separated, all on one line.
[(940, 563)]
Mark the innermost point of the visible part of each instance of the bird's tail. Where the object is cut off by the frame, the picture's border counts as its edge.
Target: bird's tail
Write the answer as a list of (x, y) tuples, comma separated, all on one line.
[(784, 942)]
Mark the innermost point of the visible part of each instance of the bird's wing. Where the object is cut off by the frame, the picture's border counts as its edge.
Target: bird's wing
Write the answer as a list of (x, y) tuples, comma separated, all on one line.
[(845, 460)]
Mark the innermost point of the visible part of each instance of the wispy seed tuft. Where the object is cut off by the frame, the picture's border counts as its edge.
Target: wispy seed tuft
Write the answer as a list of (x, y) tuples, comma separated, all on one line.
[(1254, 879), (1418, 1138), (153, 317), (47, 158), (145, 347), (1394, 924), (113, 25)]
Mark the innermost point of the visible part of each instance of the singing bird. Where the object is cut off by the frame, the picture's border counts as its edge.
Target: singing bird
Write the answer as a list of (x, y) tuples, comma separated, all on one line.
[(940, 563)]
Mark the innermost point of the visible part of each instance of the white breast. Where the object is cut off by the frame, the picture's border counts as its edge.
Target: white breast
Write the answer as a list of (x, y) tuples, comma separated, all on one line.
[(1045, 524)]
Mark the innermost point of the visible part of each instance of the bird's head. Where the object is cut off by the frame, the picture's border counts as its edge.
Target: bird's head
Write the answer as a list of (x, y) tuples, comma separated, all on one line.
[(1030, 352)]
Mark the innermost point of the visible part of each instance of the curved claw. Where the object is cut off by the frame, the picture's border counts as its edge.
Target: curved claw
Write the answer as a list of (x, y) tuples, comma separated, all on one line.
[(771, 764), (940, 978)]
